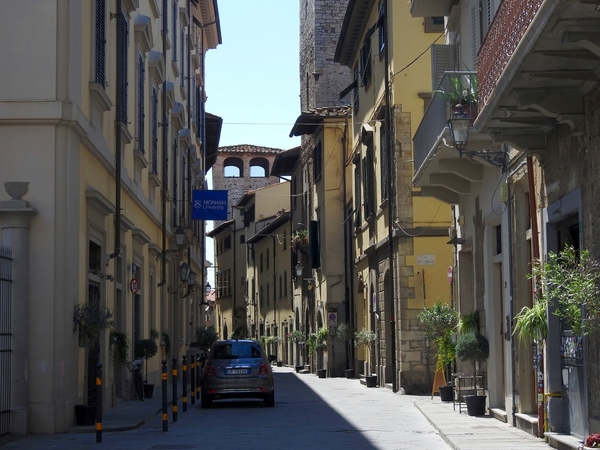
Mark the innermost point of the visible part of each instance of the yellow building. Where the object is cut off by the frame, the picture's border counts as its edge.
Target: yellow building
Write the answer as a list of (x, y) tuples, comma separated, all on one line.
[(102, 154), (400, 252)]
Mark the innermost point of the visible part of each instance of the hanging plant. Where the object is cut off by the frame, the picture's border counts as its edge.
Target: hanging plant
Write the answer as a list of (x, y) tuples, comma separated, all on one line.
[(570, 281), (531, 324), (469, 322), (299, 238)]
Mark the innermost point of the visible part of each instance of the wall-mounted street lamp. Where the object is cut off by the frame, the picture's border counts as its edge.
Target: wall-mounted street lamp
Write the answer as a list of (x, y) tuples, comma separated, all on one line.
[(299, 268), (179, 240), (188, 281), (460, 126)]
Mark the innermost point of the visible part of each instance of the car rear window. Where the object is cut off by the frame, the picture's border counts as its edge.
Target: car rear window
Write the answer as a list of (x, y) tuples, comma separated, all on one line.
[(236, 350)]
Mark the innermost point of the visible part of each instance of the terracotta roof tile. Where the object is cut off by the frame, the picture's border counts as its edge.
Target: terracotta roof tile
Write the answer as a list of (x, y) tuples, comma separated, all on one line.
[(248, 148)]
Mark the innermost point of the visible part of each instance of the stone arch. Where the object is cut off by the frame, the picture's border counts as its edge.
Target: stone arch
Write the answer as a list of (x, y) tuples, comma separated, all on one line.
[(233, 167), (259, 167)]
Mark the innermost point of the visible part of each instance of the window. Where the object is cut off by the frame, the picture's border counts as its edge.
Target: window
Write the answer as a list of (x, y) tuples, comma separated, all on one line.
[(182, 57), (122, 81), (242, 238), (233, 167), (175, 190), (498, 231), (140, 113), (285, 284), (154, 131), (280, 286), (259, 168), (385, 169), (284, 240), (268, 294), (227, 243), (382, 28), (268, 259), (318, 161), (261, 262), (355, 98), (100, 43), (367, 175), (174, 32), (357, 196), (365, 62)]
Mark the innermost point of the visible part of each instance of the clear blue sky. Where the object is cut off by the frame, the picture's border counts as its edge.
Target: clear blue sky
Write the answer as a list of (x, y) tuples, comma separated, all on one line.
[(252, 78)]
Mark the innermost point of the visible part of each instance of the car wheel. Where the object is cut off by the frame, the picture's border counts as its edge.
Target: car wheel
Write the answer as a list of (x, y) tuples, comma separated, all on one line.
[(205, 401), (270, 399)]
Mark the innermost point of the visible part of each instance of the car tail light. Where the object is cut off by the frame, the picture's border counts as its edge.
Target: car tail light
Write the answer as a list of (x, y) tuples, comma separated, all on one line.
[(210, 371), (263, 370)]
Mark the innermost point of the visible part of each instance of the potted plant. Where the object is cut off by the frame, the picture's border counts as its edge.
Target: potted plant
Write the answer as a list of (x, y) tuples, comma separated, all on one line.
[(345, 332), (569, 282), (440, 322), (298, 338), (166, 344), (299, 238), (473, 347), (459, 89), (531, 323), (367, 339), (320, 347), (119, 348), (91, 320), (144, 350)]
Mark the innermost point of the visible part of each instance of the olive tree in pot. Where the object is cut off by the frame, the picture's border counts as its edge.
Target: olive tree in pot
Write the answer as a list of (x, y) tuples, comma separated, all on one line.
[(298, 338), (144, 350), (91, 320), (440, 322), (473, 347), (367, 339), (345, 332)]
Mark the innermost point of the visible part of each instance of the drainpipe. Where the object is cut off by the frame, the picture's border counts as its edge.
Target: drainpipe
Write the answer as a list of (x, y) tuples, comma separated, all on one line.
[(118, 152), (390, 188), (349, 303), (513, 359), (165, 130)]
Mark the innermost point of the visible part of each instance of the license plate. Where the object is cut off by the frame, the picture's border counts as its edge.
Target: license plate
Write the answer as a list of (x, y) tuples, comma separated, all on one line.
[(237, 371)]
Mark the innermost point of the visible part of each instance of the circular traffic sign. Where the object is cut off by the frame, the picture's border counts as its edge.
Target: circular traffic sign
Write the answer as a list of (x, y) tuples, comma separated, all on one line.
[(134, 285), (450, 276)]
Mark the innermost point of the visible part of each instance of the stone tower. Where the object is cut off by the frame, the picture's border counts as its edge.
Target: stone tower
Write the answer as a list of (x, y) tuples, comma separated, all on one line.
[(321, 79), (242, 168)]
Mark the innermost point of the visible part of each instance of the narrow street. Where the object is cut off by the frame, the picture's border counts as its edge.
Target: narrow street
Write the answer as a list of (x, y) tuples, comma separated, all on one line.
[(310, 413)]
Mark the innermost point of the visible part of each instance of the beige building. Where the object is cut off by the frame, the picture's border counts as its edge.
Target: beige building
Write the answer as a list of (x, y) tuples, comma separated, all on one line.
[(400, 252), (101, 155)]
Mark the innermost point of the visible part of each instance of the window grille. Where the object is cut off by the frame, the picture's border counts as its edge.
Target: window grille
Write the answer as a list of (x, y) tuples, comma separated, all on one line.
[(100, 42), (383, 148), (141, 115), (154, 130), (357, 196), (122, 84)]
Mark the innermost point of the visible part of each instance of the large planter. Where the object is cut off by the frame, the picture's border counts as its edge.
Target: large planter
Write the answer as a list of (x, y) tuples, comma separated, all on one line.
[(299, 368), (279, 363), (322, 373), (446, 393), (85, 415), (148, 390), (349, 373), (475, 404), (371, 380)]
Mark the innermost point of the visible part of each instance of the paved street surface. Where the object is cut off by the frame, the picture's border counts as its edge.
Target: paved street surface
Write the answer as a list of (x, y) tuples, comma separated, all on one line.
[(310, 413)]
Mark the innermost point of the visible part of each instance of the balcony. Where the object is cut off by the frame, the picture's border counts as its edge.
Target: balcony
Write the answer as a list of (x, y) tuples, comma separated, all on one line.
[(431, 8), (537, 62), (440, 171)]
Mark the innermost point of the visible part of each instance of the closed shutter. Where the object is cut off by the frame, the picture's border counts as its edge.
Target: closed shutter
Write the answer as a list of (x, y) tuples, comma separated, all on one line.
[(122, 83), (383, 149), (365, 187), (357, 196), (141, 115), (315, 245), (370, 182), (442, 60), (174, 51), (100, 42), (475, 33), (154, 130)]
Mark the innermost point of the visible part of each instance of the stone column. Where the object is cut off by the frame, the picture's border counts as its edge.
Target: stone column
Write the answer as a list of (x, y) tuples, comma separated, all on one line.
[(15, 216)]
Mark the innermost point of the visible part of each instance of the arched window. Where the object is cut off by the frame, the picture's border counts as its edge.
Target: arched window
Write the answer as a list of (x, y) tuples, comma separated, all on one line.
[(259, 168), (233, 168)]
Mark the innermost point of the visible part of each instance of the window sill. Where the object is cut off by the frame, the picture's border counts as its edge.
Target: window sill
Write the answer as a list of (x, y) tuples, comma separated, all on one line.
[(126, 136), (140, 159), (154, 180), (99, 96)]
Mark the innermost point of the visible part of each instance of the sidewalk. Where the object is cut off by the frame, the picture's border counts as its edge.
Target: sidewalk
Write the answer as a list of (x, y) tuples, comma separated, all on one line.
[(133, 414)]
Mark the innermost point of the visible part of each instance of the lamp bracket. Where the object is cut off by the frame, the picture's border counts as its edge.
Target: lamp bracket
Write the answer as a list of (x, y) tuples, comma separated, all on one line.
[(494, 157)]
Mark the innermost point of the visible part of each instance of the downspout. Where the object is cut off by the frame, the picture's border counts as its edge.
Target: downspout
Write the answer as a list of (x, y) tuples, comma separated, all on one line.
[(117, 250), (536, 256), (513, 359), (276, 328), (165, 129), (349, 303), (391, 194)]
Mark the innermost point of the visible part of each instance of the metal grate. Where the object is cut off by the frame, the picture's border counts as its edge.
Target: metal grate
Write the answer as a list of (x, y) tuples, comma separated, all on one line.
[(5, 338)]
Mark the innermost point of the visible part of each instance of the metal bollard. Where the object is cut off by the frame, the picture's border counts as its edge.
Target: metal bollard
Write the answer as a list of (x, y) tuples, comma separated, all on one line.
[(99, 403), (174, 382), (165, 413), (183, 382), (193, 379), (198, 375)]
